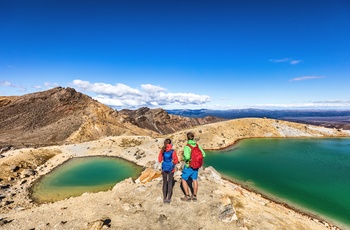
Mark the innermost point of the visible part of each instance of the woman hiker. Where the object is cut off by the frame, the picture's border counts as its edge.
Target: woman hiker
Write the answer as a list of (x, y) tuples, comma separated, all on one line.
[(167, 156)]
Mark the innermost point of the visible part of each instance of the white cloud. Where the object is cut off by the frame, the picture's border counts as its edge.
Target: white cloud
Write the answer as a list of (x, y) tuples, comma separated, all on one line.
[(46, 85), (331, 104), (6, 83), (154, 103), (10, 84), (152, 88), (286, 60), (184, 98), (280, 60), (124, 96), (109, 101), (294, 62), (334, 102), (106, 89), (306, 78)]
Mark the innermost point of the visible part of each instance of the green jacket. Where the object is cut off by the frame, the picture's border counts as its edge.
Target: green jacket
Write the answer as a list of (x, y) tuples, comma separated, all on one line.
[(187, 152)]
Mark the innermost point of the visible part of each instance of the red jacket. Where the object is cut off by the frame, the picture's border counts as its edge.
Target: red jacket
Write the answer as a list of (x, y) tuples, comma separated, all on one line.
[(167, 148)]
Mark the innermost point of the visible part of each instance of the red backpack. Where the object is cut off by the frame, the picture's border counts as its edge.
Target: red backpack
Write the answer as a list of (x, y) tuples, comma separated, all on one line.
[(196, 157)]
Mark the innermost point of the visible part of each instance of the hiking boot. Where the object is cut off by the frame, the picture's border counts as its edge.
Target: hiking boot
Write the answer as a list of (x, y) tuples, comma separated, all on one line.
[(186, 198), (194, 197)]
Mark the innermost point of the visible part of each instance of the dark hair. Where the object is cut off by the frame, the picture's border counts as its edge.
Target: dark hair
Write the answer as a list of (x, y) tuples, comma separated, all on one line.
[(190, 136), (167, 141)]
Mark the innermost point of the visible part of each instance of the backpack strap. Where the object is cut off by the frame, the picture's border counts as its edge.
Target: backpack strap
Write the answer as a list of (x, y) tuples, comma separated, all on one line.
[(171, 150), (192, 146)]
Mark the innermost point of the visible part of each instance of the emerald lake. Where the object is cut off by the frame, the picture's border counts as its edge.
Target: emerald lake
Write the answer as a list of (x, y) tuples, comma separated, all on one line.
[(312, 175), (80, 175)]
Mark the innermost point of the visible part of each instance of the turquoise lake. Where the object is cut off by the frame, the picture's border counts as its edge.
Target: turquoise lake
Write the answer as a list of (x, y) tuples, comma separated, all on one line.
[(80, 175), (312, 175)]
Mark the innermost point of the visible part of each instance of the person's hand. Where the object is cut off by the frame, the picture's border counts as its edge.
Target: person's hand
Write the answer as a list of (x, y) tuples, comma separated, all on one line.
[(157, 166)]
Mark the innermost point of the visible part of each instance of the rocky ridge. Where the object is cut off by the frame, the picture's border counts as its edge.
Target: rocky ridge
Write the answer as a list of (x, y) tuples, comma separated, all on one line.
[(59, 116), (162, 122), (138, 204), (64, 116)]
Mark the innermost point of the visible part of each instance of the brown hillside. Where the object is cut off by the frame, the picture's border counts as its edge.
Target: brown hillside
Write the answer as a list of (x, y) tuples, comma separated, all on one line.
[(161, 122), (58, 116)]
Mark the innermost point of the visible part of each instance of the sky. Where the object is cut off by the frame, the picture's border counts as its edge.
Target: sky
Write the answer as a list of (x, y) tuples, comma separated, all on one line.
[(180, 54)]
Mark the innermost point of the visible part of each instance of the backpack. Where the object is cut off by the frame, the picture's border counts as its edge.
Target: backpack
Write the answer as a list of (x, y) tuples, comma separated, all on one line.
[(196, 157), (167, 164)]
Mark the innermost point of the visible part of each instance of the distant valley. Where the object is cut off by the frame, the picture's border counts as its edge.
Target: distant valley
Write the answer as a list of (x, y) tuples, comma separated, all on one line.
[(339, 119)]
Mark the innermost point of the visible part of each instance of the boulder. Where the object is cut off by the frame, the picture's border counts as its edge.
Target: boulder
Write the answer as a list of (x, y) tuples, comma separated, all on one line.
[(148, 175), (150, 164), (3, 221), (27, 173), (95, 225), (228, 214), (4, 149), (14, 168), (213, 175)]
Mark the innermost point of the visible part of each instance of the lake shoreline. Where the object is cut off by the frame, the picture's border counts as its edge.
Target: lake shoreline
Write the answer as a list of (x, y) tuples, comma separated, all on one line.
[(307, 214), (57, 167), (298, 208)]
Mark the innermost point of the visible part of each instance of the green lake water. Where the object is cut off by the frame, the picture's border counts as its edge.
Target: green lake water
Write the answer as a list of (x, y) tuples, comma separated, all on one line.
[(312, 175), (80, 175)]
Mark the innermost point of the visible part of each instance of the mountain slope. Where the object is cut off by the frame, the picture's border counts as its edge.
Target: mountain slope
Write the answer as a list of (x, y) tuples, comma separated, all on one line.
[(162, 122), (58, 116)]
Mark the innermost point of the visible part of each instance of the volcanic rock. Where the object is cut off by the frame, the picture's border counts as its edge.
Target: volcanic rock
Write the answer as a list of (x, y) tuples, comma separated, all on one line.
[(162, 122)]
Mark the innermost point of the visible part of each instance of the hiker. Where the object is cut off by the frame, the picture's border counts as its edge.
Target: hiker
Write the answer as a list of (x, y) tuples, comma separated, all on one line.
[(167, 156), (193, 157)]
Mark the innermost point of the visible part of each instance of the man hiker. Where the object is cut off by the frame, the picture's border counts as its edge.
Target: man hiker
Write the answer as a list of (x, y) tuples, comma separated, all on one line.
[(193, 157)]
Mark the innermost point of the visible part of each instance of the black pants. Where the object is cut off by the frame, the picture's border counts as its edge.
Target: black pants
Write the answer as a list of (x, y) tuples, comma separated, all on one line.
[(168, 178)]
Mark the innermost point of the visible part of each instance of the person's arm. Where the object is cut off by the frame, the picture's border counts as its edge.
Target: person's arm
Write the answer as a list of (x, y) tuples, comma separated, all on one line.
[(160, 157), (175, 158), (203, 153), (187, 154)]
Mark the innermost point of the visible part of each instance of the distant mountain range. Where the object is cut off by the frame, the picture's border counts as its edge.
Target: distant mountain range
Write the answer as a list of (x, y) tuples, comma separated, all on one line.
[(259, 113), (327, 118)]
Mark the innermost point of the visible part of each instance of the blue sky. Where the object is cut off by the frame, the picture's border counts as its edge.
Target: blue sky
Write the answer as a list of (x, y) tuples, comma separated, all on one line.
[(180, 54)]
